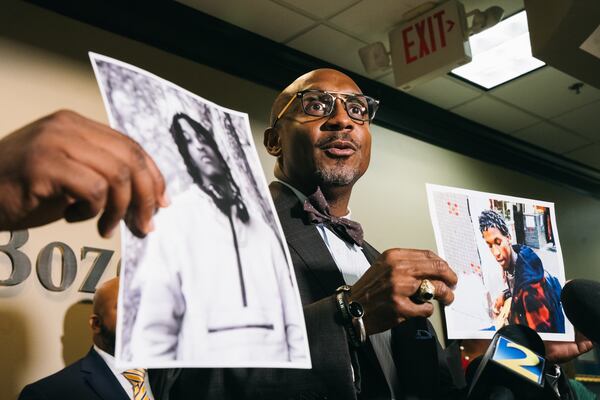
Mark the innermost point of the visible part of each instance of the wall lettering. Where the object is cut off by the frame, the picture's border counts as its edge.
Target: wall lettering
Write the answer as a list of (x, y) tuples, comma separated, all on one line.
[(68, 266), (21, 264), (99, 265)]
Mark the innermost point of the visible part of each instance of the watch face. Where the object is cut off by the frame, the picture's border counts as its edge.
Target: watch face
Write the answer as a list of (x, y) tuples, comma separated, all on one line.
[(356, 310)]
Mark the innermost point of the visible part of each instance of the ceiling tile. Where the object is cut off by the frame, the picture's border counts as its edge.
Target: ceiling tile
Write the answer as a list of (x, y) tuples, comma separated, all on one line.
[(587, 155), (495, 114), (551, 137), (388, 13), (387, 79), (259, 16), (340, 49), (584, 120), (382, 18), (445, 92), (546, 93), (320, 8)]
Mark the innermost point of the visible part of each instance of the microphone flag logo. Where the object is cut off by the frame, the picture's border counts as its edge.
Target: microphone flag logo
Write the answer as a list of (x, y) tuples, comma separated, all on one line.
[(519, 359)]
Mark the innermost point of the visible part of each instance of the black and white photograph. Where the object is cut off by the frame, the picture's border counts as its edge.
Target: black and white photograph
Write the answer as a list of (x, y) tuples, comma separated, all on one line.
[(212, 284), (506, 253)]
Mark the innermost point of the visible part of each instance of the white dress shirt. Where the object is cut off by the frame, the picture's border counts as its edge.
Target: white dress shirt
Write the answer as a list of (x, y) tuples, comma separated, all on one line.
[(352, 263), (118, 373)]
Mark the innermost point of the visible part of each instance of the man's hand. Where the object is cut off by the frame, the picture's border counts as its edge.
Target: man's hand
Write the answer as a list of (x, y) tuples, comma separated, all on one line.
[(385, 289), (65, 165), (560, 352)]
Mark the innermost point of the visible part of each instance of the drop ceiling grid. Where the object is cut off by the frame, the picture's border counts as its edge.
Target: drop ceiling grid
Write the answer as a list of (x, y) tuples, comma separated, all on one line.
[(551, 137), (449, 93), (351, 23), (547, 85), (263, 17), (318, 9), (495, 113), (345, 48), (522, 124), (585, 120), (536, 108), (318, 16), (372, 24), (529, 116), (443, 91), (564, 117), (538, 91)]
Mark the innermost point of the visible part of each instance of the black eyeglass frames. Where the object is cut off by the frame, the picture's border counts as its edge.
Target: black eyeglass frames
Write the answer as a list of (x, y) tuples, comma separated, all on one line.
[(320, 103)]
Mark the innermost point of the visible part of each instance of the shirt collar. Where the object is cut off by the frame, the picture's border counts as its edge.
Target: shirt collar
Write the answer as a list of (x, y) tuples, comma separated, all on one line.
[(108, 359)]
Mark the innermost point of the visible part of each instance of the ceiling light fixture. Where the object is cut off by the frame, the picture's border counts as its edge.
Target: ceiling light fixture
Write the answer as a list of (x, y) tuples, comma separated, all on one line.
[(500, 54)]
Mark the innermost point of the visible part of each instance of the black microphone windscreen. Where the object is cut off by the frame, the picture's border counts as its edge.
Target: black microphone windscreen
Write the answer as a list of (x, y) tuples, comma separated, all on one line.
[(581, 302), (501, 393), (524, 336), (512, 367), (471, 369)]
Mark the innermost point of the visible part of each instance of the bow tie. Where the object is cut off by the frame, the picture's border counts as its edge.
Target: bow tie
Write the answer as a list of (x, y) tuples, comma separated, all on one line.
[(317, 210)]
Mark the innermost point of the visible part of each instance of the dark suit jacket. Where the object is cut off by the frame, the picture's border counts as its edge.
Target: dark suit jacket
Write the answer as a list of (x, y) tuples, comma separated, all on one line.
[(86, 379), (416, 351)]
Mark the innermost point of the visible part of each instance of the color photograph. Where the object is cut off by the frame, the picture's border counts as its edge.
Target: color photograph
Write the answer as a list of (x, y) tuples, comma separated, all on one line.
[(506, 253)]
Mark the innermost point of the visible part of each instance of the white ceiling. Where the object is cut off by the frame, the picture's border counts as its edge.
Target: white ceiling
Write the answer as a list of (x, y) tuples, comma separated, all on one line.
[(537, 108)]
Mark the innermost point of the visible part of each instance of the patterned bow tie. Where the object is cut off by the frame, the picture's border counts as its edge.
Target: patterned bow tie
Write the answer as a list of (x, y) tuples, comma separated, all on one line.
[(317, 209)]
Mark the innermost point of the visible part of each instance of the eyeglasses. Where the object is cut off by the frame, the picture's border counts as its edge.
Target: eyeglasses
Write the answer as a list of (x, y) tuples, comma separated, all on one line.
[(319, 103)]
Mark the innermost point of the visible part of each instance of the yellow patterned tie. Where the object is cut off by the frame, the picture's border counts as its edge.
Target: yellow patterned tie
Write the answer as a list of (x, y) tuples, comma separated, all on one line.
[(136, 377)]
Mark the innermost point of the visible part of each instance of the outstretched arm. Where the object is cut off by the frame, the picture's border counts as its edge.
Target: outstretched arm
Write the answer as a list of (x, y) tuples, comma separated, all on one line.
[(67, 166)]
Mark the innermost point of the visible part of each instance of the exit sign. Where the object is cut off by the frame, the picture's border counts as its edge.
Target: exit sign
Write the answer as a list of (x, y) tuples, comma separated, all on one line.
[(429, 45)]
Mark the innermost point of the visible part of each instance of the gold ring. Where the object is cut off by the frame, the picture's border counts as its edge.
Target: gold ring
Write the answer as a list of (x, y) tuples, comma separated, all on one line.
[(426, 291)]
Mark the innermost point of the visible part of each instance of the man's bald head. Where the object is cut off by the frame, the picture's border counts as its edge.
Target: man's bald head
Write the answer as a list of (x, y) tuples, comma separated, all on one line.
[(304, 82), (103, 321), (330, 151), (105, 295)]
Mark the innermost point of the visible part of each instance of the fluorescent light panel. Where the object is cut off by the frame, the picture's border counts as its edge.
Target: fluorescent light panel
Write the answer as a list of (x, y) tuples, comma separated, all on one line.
[(500, 53)]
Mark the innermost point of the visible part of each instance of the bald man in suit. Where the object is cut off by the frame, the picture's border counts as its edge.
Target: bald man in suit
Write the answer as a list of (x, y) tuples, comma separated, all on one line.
[(95, 376)]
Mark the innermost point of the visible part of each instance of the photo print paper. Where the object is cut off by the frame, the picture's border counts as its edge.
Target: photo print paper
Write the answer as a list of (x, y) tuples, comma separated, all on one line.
[(213, 285), (506, 253)]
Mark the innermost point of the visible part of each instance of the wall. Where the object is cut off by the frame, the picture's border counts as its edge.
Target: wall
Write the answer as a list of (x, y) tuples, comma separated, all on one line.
[(44, 67)]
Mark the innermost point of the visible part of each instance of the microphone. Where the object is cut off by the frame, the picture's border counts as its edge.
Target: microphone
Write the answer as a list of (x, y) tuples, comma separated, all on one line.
[(495, 392), (512, 367), (472, 368), (581, 302)]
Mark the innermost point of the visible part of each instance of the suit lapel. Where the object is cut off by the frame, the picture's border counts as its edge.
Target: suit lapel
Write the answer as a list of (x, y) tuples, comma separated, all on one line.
[(305, 240), (100, 378), (370, 253)]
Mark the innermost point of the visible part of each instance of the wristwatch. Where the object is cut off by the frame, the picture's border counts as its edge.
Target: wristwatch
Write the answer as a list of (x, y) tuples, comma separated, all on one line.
[(357, 311), (351, 313)]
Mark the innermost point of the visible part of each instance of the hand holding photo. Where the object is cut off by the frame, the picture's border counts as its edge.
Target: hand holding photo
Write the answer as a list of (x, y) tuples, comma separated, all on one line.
[(507, 255)]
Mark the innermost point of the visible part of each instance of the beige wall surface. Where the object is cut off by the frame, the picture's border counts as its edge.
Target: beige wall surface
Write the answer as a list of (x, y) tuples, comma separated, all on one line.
[(44, 67)]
